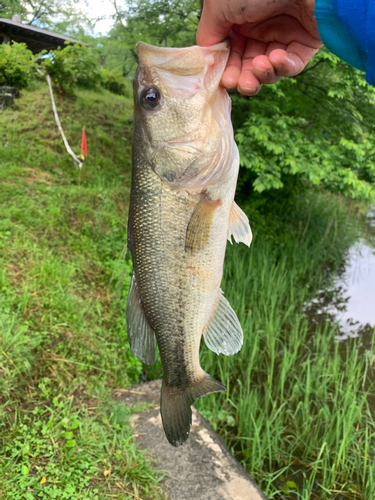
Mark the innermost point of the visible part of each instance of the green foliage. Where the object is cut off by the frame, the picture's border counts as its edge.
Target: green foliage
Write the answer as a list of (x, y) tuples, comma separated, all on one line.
[(318, 125), (74, 65), (9, 7), (59, 450), (115, 82), (162, 22), (17, 67)]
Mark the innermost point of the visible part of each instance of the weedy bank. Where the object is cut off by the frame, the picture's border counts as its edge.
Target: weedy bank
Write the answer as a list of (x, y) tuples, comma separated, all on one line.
[(63, 348)]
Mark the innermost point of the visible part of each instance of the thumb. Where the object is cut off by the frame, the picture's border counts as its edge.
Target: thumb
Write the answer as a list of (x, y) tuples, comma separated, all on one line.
[(213, 27)]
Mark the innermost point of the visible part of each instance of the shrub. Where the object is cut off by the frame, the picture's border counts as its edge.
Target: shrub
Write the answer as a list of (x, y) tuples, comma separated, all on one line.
[(17, 66), (115, 83), (73, 65)]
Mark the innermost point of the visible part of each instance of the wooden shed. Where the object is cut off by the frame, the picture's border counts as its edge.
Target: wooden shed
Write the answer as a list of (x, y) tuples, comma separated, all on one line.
[(36, 39)]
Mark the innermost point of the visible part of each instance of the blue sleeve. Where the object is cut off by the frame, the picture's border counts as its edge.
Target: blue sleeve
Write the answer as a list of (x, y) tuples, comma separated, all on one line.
[(347, 28)]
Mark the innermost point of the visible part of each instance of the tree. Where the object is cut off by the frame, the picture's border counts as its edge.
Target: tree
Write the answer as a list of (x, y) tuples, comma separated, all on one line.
[(159, 22), (318, 126), (10, 7), (60, 15)]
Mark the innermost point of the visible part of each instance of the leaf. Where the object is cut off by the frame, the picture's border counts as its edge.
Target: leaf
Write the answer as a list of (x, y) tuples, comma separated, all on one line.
[(25, 470), (75, 424), (291, 485), (26, 450), (71, 443)]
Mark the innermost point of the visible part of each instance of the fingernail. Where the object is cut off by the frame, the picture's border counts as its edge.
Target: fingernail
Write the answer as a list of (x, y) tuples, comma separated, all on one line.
[(249, 90), (258, 66)]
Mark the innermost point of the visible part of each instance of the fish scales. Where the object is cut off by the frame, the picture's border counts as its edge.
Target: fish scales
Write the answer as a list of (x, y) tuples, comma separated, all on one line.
[(179, 224)]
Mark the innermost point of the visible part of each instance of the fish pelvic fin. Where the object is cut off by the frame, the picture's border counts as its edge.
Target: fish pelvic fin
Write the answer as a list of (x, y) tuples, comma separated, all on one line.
[(239, 226), (175, 406), (223, 334)]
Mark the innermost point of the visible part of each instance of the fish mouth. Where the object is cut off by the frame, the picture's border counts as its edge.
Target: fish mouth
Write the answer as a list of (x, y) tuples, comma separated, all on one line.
[(154, 48), (186, 70), (185, 61)]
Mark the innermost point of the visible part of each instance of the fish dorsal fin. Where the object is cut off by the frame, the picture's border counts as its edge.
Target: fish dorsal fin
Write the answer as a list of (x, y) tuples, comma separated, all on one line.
[(223, 334), (140, 334), (239, 226), (198, 230)]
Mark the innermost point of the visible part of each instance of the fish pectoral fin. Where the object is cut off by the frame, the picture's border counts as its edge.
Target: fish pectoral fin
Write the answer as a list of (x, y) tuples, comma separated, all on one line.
[(140, 334), (223, 334), (175, 406), (198, 230), (239, 226)]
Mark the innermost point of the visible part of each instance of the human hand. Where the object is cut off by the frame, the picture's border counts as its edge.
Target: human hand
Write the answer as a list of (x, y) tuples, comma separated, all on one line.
[(269, 39)]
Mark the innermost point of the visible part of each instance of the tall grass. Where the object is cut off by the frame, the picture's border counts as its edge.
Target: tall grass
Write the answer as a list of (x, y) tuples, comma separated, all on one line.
[(297, 412)]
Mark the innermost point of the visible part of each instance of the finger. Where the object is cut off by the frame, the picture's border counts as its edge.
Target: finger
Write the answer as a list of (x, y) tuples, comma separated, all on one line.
[(263, 69), (274, 46), (248, 84), (213, 27), (233, 69), (292, 61)]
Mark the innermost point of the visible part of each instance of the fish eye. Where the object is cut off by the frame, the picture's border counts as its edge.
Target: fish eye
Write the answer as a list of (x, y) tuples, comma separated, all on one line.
[(150, 97)]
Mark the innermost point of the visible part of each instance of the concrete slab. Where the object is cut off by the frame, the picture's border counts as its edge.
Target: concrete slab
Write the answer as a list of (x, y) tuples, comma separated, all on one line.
[(203, 468)]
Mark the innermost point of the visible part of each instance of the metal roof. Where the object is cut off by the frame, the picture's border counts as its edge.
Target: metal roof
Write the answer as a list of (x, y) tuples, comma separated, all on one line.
[(36, 39)]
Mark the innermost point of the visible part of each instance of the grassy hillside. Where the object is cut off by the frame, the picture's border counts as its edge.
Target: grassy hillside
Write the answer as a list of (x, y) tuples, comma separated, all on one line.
[(63, 346)]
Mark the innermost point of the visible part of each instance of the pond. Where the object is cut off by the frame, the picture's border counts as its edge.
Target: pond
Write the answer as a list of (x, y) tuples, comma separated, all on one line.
[(350, 299)]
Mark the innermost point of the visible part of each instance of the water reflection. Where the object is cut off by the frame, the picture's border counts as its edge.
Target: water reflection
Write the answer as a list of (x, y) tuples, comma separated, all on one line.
[(358, 284), (350, 300)]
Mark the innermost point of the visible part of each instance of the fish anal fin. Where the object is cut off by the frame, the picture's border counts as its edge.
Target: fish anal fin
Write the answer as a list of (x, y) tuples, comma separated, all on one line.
[(198, 230), (239, 226), (175, 406), (223, 334), (140, 334)]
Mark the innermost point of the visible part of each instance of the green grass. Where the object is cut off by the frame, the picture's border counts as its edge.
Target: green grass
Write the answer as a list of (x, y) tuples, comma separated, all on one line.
[(63, 344)]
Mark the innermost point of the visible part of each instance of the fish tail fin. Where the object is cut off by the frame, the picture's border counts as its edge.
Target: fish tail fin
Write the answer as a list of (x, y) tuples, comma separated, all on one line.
[(175, 406)]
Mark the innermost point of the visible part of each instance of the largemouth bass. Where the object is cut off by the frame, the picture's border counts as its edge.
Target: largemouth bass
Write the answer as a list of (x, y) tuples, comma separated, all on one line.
[(182, 211)]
